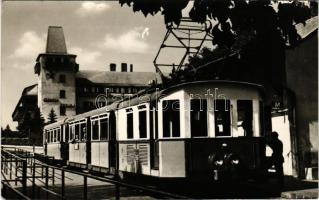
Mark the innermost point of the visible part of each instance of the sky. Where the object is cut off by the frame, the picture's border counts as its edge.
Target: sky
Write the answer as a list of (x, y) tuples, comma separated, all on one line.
[(97, 32)]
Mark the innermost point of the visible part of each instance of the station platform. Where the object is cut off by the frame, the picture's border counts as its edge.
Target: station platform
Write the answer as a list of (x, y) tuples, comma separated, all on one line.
[(300, 189)]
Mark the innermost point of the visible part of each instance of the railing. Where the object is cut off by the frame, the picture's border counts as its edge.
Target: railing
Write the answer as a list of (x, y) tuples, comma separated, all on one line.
[(33, 161)]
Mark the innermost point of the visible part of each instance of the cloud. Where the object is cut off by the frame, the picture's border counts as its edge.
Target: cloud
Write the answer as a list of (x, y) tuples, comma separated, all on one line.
[(30, 45), (86, 58), (130, 42), (88, 8), (145, 32)]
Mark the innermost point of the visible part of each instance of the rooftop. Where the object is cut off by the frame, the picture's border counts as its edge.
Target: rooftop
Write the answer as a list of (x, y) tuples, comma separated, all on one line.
[(118, 78), (56, 41)]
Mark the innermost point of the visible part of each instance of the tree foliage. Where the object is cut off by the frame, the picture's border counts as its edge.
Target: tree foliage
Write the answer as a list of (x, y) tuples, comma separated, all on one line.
[(255, 30), (31, 125), (52, 117)]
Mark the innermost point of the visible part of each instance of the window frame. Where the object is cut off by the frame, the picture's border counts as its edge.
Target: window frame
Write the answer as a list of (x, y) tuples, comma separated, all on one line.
[(127, 112), (207, 117), (230, 118), (62, 78), (72, 126), (179, 120), (62, 94), (143, 108)]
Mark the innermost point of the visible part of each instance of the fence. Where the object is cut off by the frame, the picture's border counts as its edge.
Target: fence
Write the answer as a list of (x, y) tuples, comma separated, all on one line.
[(32, 161)]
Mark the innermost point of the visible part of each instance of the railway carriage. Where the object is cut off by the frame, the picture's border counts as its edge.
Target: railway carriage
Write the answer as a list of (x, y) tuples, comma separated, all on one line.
[(54, 141), (206, 130)]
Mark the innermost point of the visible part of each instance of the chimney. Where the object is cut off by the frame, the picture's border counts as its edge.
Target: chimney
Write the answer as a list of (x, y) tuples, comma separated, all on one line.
[(131, 67), (113, 67), (124, 67)]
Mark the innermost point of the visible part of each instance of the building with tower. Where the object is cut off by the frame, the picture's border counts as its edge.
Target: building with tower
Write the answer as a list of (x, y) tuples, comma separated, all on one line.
[(65, 89)]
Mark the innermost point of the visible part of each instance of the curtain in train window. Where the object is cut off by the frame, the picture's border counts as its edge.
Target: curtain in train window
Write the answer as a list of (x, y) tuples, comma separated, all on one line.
[(142, 123), (129, 125), (83, 131), (198, 117), (222, 117), (171, 118), (245, 117), (95, 130), (104, 123)]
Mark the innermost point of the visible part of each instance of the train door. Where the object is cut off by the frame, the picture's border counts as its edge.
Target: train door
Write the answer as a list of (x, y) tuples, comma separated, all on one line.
[(64, 142), (154, 146), (112, 142)]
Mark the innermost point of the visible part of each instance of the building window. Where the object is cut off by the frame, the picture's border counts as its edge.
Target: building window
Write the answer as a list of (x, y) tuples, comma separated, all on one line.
[(62, 78), (171, 118), (62, 110), (85, 89), (62, 94), (122, 90)]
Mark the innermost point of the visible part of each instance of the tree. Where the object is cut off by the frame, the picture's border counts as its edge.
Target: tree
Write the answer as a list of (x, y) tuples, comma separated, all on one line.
[(7, 129), (254, 31), (52, 117)]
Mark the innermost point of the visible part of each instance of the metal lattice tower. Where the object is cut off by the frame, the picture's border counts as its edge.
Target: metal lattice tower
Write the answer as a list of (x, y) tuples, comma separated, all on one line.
[(189, 36)]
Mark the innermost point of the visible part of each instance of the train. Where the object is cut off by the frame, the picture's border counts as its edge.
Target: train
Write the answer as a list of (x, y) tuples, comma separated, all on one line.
[(201, 130)]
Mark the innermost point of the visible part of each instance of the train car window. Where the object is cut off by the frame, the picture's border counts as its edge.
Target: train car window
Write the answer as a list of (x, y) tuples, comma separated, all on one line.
[(58, 135), (83, 131), (104, 125), (76, 132), (142, 124), (129, 125), (171, 118), (95, 130), (198, 117), (222, 117), (54, 136), (245, 117), (49, 136)]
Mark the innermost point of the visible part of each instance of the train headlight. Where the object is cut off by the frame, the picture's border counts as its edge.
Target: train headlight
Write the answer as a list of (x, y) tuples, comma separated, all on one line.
[(234, 161), (219, 162)]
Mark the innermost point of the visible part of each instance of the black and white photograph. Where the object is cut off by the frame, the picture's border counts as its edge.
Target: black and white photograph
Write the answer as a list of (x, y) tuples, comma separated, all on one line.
[(159, 99)]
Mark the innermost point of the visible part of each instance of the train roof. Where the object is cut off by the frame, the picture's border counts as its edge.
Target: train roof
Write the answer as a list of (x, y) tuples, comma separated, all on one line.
[(56, 124), (149, 96)]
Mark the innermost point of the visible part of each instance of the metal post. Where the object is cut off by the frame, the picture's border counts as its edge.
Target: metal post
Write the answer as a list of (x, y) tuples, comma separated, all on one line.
[(53, 176), (62, 179), (24, 176), (4, 191), (85, 192), (10, 167), (117, 191), (33, 180), (39, 193), (16, 172), (46, 179)]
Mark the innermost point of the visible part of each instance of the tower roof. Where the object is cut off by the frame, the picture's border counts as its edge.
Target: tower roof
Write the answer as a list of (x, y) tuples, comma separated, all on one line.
[(55, 40)]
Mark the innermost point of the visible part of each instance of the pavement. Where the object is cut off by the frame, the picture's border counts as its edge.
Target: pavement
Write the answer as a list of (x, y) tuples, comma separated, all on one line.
[(300, 189)]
